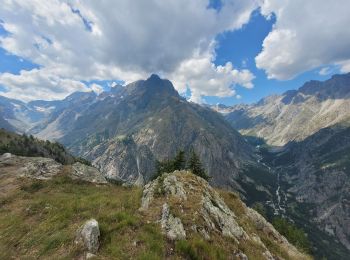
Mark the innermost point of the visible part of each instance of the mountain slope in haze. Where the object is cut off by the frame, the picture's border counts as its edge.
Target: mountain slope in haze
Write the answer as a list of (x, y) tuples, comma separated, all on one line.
[(124, 131), (296, 114), (21, 117)]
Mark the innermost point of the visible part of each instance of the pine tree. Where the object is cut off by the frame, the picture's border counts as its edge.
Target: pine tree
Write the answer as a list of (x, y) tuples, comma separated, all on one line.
[(196, 167), (179, 162)]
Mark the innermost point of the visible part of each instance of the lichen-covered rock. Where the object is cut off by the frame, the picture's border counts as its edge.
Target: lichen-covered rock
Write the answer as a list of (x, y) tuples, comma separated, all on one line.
[(187, 207), (211, 208), (87, 173), (148, 193), (218, 216), (88, 236), (172, 186), (171, 226), (32, 167)]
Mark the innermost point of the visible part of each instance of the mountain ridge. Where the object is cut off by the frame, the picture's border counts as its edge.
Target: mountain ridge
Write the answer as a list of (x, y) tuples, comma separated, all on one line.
[(295, 114)]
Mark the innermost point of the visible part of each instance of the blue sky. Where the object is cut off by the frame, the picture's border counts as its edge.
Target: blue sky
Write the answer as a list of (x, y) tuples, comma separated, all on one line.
[(241, 47), (94, 48)]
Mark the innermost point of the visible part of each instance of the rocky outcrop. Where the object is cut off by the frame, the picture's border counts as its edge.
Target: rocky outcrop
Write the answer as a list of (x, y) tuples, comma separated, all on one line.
[(45, 168), (172, 226), (33, 167), (88, 236), (87, 173), (218, 216), (186, 205)]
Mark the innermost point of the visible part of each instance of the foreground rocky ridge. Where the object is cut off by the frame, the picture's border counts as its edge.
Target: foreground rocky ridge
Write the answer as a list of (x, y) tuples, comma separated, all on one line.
[(178, 216), (186, 207)]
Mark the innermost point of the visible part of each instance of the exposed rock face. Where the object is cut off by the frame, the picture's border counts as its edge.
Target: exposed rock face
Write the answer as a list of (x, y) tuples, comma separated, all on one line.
[(33, 167), (186, 205), (296, 114), (88, 236), (87, 173), (171, 225), (45, 168), (217, 214), (316, 171)]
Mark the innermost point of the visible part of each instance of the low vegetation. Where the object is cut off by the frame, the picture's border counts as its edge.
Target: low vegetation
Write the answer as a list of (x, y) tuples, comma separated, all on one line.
[(39, 219), (294, 234)]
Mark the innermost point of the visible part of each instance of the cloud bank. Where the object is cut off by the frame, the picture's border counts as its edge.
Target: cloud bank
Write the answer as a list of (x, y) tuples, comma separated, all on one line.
[(74, 41), (307, 35)]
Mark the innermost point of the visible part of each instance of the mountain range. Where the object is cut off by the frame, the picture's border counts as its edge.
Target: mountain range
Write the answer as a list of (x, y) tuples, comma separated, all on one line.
[(126, 130), (289, 152), (296, 114)]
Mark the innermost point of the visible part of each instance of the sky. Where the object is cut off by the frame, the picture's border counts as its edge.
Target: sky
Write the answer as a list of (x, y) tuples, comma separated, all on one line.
[(214, 51)]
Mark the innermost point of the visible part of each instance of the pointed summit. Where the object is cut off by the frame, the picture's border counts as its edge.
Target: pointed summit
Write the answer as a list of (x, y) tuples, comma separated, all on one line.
[(153, 77)]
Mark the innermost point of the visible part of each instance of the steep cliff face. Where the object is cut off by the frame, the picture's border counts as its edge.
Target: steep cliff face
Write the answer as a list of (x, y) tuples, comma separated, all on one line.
[(125, 130), (296, 114), (317, 172)]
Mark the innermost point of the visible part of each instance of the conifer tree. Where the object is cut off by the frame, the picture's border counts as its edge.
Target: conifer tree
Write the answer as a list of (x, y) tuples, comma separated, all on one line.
[(196, 167), (179, 162)]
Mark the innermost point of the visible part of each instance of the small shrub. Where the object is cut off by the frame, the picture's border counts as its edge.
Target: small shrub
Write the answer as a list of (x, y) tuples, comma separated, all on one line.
[(198, 249), (33, 187), (295, 235)]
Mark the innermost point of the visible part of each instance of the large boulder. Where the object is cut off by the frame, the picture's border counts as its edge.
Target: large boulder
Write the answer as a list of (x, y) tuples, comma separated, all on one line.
[(87, 173), (88, 236)]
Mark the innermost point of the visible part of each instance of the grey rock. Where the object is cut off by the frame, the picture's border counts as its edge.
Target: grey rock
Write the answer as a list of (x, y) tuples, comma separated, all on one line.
[(218, 216), (171, 226), (88, 236), (6, 156), (90, 256), (148, 193), (241, 256), (172, 186), (32, 167), (87, 173)]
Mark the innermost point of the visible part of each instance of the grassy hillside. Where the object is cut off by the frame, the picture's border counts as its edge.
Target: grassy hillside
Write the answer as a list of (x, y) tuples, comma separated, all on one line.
[(39, 219)]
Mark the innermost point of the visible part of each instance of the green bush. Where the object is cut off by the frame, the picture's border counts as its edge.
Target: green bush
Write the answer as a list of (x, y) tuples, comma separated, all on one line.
[(198, 249), (295, 235)]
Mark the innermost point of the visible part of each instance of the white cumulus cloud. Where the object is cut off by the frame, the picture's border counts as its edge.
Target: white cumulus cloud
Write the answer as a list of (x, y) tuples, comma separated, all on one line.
[(306, 35), (123, 40)]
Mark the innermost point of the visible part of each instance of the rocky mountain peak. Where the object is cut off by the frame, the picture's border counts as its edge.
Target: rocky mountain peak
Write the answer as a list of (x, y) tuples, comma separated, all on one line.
[(154, 86)]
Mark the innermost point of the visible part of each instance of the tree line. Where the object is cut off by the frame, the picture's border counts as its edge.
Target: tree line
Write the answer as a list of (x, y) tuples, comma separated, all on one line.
[(24, 145), (182, 162)]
